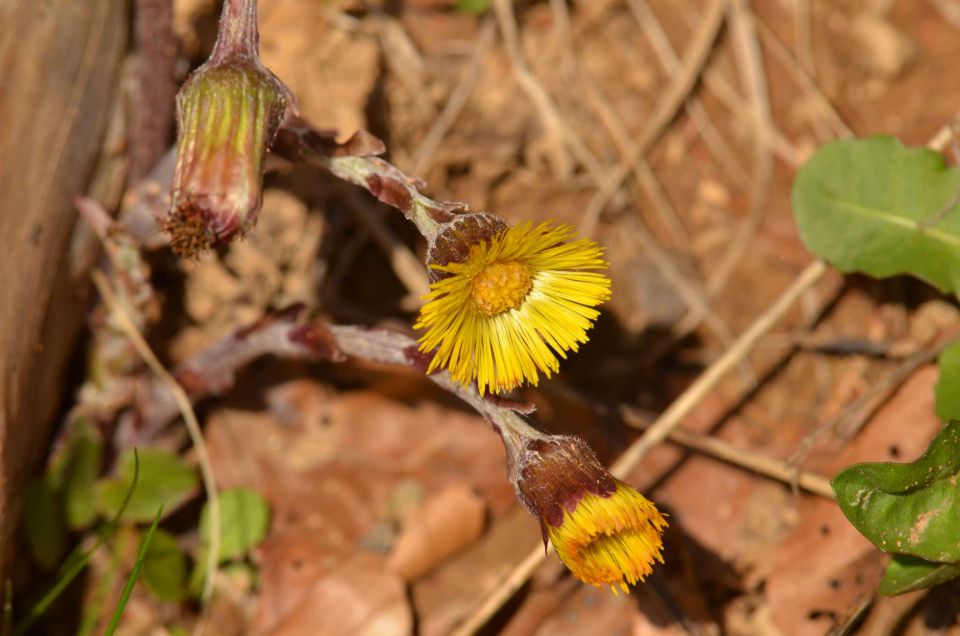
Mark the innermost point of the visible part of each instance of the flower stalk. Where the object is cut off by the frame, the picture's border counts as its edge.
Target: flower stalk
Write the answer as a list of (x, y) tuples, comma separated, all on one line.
[(602, 529)]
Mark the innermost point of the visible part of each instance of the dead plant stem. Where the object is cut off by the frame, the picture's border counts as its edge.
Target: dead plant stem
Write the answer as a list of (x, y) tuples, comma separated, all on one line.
[(125, 323), (744, 458), (694, 61)]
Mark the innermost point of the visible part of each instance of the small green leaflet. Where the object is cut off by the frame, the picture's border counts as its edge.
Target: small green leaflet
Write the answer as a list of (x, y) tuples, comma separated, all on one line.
[(165, 479), (244, 520)]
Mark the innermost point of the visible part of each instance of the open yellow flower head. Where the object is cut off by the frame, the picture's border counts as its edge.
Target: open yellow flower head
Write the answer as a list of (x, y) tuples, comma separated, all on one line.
[(605, 531), (506, 301)]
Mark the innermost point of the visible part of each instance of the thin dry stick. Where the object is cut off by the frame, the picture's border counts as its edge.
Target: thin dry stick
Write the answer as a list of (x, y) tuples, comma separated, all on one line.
[(688, 400), (806, 82), (670, 64), (758, 463), (856, 414), (538, 94), (803, 32), (673, 99), (124, 322), (421, 159), (949, 10), (785, 150), (616, 129), (749, 59)]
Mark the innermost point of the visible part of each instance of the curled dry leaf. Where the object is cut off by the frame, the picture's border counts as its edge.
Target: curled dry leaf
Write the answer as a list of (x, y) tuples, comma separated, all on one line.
[(438, 528), (359, 598)]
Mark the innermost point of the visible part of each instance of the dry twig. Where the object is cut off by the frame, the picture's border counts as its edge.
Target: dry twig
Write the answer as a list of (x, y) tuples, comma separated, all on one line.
[(673, 99), (422, 156), (541, 99), (744, 458), (750, 62), (123, 321), (670, 64)]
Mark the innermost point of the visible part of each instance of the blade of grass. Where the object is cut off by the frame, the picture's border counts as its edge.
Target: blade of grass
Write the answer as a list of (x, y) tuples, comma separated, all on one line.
[(78, 559), (132, 580)]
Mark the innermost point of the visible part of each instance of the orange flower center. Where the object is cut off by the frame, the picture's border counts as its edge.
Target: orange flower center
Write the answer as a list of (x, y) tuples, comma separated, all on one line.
[(501, 287)]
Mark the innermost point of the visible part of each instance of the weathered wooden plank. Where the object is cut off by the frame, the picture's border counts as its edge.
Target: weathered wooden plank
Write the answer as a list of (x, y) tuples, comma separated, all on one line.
[(59, 70)]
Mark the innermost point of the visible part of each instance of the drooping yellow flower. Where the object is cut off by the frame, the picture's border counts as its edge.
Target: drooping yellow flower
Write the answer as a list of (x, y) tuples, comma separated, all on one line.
[(516, 301), (610, 540), (603, 530)]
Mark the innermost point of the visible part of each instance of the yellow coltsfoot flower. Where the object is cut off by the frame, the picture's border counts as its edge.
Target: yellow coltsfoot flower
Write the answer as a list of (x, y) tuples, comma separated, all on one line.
[(506, 301), (603, 530), (611, 540)]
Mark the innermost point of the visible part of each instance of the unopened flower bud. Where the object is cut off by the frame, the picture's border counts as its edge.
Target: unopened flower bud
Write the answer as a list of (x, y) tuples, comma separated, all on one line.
[(605, 531), (228, 113)]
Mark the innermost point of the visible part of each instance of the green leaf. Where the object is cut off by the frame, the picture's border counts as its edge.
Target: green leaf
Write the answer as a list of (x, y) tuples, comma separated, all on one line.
[(908, 573), (908, 508), (244, 519), (861, 205), (475, 7), (79, 558), (165, 567), (80, 472), (947, 390), (134, 574), (44, 523), (165, 478)]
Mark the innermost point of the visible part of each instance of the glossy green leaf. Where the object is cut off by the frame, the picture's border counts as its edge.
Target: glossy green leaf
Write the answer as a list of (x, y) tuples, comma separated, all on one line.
[(44, 523), (908, 573), (165, 479), (908, 508), (244, 519), (81, 470), (864, 205), (947, 391), (165, 567)]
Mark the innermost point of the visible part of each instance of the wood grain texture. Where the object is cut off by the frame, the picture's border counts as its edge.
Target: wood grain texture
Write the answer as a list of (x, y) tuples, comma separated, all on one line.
[(59, 69)]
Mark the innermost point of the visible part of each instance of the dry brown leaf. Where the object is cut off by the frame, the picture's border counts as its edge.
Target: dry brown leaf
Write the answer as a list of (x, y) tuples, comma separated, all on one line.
[(360, 598), (331, 70), (444, 597), (440, 527)]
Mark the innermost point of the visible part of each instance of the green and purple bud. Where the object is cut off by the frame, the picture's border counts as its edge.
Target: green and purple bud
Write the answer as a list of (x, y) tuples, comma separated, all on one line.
[(228, 113)]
